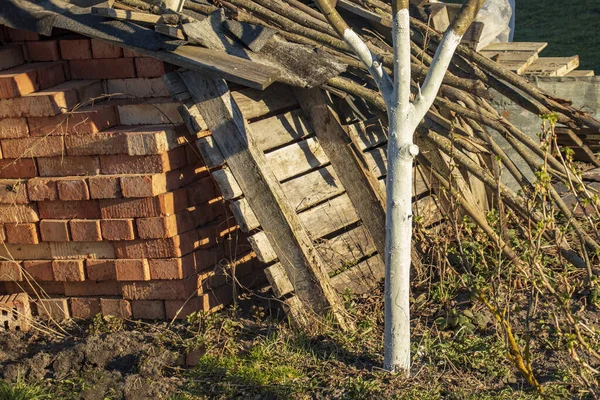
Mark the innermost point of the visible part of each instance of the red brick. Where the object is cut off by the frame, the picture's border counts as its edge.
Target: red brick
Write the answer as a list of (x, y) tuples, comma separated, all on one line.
[(54, 230), (132, 270), (102, 68), (69, 209), (101, 270), (84, 307), (10, 271), (156, 163), (11, 128), (156, 111), (68, 166), (163, 204), (85, 230), (43, 50), (53, 309), (116, 307), (91, 288), (50, 288), (85, 121), (73, 190), (143, 185), (105, 187), (173, 268), (117, 229), (40, 189), (148, 309), (149, 67), (158, 227), (176, 246), (104, 49), (96, 144), (32, 147), (202, 191), (18, 35), (19, 213), (11, 55), (68, 270), (21, 233), (132, 53), (39, 270), (17, 169), (28, 78), (75, 49), (138, 87), (13, 191), (2, 234), (159, 290)]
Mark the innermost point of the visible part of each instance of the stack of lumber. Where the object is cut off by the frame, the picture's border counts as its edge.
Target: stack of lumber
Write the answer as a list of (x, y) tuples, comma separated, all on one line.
[(106, 205)]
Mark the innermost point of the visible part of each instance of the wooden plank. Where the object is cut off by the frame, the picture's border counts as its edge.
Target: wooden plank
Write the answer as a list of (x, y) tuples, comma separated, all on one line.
[(262, 247), (296, 159), (581, 73), (363, 13), (360, 278), (256, 103), (340, 251), (368, 134), (133, 16), (280, 283), (552, 66), (336, 144), (228, 186), (517, 61), (171, 31), (516, 46), (261, 188), (244, 215), (210, 152), (280, 130), (331, 216), (312, 188)]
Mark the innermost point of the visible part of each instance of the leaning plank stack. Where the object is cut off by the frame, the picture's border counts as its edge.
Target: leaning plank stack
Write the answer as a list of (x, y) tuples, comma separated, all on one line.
[(106, 205)]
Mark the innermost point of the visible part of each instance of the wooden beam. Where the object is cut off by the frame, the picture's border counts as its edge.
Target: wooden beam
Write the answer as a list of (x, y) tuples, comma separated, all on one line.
[(264, 194), (334, 141), (133, 16)]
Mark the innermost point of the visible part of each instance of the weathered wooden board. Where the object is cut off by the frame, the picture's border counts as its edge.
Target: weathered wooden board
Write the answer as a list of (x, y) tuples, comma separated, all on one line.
[(279, 280), (280, 130), (297, 158), (517, 61), (360, 278), (581, 73), (329, 217), (344, 249), (552, 66), (516, 46), (312, 188), (134, 16), (262, 247), (228, 186), (256, 103)]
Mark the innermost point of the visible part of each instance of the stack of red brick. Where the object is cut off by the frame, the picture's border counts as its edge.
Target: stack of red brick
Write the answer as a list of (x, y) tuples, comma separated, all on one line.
[(104, 204)]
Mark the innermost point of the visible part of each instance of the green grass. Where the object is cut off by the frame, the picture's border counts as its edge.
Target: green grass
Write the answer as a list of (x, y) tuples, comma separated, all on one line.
[(569, 27), (22, 391)]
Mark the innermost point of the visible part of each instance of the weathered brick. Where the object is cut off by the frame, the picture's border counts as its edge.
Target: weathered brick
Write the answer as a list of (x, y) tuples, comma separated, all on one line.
[(105, 187), (69, 209), (148, 309), (10, 271), (159, 290), (102, 68), (75, 49), (132, 270), (13, 191), (40, 189), (75, 250), (18, 213), (28, 78), (68, 165), (202, 191), (21, 233), (154, 111), (2, 234), (172, 268), (182, 221), (117, 229), (116, 307), (49, 288), (138, 87), (12, 128), (85, 230), (91, 288), (32, 147), (43, 50), (156, 163), (104, 49), (73, 189), (10, 56), (17, 169), (39, 270), (19, 35), (84, 307), (206, 258), (68, 270), (101, 270), (84, 121), (163, 204), (132, 53), (96, 144), (149, 67), (176, 246), (143, 185), (53, 309)]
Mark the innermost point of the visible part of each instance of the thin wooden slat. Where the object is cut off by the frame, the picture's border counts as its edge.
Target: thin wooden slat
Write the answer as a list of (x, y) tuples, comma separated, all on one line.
[(171, 31), (329, 217), (581, 73), (296, 158), (552, 66), (368, 134), (516, 46), (134, 16), (281, 129), (517, 61), (340, 251), (210, 152), (256, 103), (244, 215), (360, 278), (279, 280), (228, 186), (312, 188), (262, 247)]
